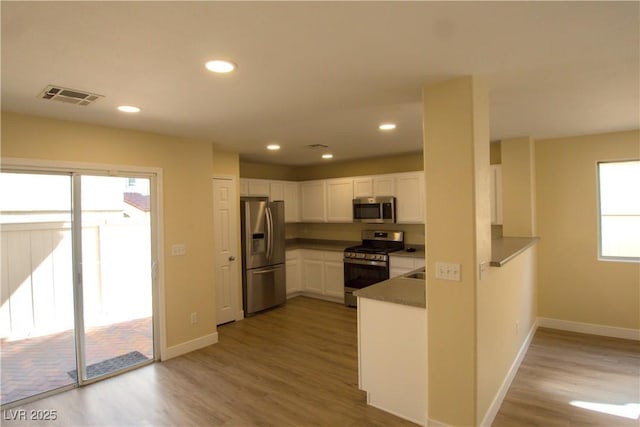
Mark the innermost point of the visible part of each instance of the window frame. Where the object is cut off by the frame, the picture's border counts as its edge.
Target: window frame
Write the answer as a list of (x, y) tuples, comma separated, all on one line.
[(600, 256)]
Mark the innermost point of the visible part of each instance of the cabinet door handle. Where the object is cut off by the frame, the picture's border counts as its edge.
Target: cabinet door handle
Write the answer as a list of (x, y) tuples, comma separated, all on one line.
[(232, 258)]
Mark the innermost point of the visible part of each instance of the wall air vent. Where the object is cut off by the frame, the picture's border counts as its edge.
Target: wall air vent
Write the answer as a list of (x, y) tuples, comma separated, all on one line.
[(317, 146), (70, 96)]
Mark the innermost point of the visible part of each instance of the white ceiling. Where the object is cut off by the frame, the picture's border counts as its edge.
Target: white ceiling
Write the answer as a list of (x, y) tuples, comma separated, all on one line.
[(324, 72)]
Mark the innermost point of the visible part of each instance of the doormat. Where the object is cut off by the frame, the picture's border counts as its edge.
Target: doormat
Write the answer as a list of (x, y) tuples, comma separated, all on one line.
[(111, 365)]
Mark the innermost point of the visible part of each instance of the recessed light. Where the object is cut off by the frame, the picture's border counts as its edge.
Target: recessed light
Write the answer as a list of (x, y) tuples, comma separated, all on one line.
[(327, 156), (387, 126), (220, 66), (273, 147), (128, 109)]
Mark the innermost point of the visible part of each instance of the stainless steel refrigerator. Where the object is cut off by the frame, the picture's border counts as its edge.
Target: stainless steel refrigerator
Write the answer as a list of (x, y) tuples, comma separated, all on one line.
[(263, 254)]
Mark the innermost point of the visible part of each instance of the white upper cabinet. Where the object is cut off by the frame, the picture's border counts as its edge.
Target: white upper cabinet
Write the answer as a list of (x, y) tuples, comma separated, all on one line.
[(244, 187), (340, 200), (363, 186), (410, 198), (313, 201), (291, 202), (258, 187), (254, 187), (377, 185), (276, 190), (384, 185), (496, 194), (331, 200)]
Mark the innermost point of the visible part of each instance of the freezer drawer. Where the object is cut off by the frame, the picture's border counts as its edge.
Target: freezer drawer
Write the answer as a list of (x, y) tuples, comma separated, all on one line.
[(264, 288)]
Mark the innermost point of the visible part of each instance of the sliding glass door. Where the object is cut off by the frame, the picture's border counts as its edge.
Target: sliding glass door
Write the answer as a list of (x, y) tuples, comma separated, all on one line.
[(37, 334), (77, 283), (116, 272)]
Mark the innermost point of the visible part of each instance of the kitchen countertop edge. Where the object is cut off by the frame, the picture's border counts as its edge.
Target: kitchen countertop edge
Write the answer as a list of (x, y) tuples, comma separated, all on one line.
[(504, 249), (341, 245), (398, 290)]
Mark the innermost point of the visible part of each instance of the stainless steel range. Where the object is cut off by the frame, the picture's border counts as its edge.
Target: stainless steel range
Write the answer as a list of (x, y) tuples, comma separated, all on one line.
[(368, 263)]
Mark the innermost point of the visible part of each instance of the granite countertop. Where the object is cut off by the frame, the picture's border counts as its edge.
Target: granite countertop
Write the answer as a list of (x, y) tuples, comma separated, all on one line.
[(398, 290), (320, 244), (504, 249)]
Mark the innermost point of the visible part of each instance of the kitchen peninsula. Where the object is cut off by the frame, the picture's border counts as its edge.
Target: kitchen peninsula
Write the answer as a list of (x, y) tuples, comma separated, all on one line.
[(392, 345)]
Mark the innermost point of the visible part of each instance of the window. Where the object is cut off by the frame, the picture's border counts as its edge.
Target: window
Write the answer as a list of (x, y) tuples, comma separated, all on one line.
[(619, 210)]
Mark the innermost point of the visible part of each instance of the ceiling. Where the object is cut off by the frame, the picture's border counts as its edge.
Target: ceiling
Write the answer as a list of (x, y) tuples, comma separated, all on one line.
[(324, 72)]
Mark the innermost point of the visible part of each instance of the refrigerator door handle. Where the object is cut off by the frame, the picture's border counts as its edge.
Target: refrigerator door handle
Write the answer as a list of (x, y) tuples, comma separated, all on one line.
[(269, 233), (271, 270)]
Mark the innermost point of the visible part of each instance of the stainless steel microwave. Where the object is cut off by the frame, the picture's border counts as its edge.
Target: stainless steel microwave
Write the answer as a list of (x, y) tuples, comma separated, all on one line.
[(374, 210)]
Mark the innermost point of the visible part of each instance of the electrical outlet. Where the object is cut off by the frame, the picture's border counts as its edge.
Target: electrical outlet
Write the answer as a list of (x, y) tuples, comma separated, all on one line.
[(194, 318), (448, 271), (178, 249)]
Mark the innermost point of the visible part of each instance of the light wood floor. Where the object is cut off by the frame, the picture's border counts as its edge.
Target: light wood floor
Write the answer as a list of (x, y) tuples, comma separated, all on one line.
[(297, 366), (563, 367), (293, 366)]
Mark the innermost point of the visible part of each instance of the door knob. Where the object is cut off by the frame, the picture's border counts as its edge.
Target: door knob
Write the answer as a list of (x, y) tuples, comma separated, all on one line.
[(232, 258)]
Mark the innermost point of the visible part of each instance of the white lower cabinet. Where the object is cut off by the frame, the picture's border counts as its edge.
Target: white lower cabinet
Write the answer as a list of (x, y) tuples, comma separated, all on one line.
[(333, 274), (322, 274), (399, 265), (313, 271), (392, 348), (293, 271)]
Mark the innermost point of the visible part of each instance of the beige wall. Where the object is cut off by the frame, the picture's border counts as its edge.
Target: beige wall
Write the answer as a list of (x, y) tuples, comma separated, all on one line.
[(455, 123), (187, 210), (573, 284), (360, 167), (369, 166), (268, 171), (507, 311)]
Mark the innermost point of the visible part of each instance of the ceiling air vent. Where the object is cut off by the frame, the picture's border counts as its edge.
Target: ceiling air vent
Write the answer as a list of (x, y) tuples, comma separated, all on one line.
[(317, 146), (70, 96)]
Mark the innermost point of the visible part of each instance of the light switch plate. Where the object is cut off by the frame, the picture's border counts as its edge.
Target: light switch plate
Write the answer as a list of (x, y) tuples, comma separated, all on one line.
[(448, 271)]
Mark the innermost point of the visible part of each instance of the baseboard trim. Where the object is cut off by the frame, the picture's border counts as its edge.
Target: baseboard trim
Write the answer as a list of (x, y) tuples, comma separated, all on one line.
[(436, 423), (189, 346), (404, 417), (508, 379), (590, 328), (339, 300)]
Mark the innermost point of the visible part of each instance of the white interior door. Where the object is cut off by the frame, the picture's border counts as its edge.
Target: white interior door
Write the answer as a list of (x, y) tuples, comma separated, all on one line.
[(225, 228)]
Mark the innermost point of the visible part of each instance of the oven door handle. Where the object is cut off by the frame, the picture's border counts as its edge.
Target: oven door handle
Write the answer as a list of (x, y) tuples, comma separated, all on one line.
[(365, 262)]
